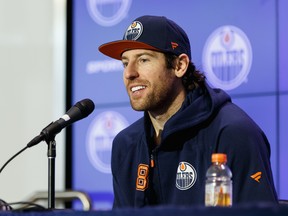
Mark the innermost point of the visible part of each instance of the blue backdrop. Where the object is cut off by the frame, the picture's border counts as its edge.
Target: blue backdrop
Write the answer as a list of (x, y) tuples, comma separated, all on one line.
[(240, 44)]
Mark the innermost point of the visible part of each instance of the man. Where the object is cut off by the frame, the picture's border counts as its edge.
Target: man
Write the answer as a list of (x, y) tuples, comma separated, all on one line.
[(162, 158)]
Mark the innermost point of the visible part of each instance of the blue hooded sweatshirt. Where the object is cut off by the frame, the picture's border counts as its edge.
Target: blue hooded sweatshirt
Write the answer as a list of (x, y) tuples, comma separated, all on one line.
[(208, 122)]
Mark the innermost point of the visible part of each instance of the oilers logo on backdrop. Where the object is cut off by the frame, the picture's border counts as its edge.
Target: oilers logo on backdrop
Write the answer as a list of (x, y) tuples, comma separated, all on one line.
[(99, 139), (227, 57), (186, 176), (108, 12), (134, 31)]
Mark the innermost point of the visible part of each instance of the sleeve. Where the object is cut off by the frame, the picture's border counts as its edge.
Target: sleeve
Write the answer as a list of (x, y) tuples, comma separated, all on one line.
[(124, 170), (248, 152), (117, 194), (116, 158)]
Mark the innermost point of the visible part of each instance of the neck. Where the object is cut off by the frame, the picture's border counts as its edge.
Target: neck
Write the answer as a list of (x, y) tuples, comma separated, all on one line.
[(159, 118)]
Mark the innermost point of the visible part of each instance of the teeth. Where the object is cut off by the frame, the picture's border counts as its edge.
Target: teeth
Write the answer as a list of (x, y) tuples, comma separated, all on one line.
[(136, 88)]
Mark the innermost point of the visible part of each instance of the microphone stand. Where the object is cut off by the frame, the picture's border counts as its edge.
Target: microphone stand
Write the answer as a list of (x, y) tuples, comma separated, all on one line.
[(51, 154)]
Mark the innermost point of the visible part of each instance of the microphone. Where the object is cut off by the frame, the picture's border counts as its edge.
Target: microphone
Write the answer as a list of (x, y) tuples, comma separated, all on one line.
[(79, 111)]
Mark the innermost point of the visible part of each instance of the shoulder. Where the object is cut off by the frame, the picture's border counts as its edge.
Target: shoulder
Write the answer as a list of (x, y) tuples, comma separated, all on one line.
[(236, 118), (128, 135), (127, 139), (125, 144), (239, 131)]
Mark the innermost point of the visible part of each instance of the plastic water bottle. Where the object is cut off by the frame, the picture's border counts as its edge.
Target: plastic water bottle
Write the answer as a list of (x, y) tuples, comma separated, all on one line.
[(218, 185)]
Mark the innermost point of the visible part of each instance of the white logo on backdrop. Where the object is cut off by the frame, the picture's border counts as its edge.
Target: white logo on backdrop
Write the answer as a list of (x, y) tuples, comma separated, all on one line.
[(108, 12), (227, 57), (100, 135)]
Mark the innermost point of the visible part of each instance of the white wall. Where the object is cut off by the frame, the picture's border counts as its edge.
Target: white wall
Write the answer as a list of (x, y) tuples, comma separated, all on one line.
[(32, 92)]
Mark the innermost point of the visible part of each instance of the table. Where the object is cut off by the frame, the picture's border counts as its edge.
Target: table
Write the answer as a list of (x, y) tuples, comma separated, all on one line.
[(247, 210)]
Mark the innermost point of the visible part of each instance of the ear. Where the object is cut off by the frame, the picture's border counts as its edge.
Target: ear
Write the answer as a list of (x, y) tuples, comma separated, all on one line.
[(182, 65)]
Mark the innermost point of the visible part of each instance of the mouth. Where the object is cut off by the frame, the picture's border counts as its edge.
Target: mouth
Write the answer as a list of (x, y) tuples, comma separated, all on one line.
[(137, 88)]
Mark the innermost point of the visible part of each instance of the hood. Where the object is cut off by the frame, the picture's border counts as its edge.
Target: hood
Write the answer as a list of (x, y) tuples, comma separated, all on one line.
[(199, 105)]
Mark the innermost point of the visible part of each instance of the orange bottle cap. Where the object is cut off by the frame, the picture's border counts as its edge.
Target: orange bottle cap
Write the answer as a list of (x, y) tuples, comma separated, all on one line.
[(219, 157)]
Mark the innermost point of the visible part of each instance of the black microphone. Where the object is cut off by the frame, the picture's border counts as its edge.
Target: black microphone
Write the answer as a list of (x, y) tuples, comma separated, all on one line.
[(79, 111)]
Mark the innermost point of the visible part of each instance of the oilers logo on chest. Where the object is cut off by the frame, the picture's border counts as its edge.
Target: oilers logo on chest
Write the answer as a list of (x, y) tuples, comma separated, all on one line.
[(186, 176)]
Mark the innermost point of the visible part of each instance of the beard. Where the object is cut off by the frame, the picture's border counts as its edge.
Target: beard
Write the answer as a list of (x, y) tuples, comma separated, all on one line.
[(157, 100)]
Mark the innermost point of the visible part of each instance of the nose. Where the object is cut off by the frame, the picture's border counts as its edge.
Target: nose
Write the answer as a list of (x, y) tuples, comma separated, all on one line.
[(130, 71)]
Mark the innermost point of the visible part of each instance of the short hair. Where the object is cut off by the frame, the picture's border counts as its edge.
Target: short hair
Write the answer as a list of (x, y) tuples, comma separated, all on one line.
[(192, 79)]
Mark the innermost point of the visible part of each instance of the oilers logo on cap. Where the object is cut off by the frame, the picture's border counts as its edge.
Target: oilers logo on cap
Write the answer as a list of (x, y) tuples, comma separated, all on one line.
[(134, 31), (186, 176)]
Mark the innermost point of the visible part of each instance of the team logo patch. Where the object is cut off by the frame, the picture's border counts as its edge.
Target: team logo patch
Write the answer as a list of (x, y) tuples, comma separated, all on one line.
[(134, 31), (227, 57), (186, 176)]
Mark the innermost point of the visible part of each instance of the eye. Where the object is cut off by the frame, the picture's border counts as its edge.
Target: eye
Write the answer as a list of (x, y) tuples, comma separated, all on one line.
[(124, 64), (143, 60)]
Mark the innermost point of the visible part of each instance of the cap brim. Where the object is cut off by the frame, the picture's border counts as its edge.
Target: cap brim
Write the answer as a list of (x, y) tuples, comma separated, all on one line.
[(116, 48)]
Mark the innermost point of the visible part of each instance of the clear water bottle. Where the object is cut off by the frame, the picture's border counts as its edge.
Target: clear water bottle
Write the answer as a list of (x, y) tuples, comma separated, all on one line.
[(218, 185)]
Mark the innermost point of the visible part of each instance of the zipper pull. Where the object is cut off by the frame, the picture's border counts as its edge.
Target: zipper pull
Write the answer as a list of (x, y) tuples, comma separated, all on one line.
[(152, 163)]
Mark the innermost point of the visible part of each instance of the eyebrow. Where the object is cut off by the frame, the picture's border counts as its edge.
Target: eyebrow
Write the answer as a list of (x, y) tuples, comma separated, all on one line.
[(140, 54)]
